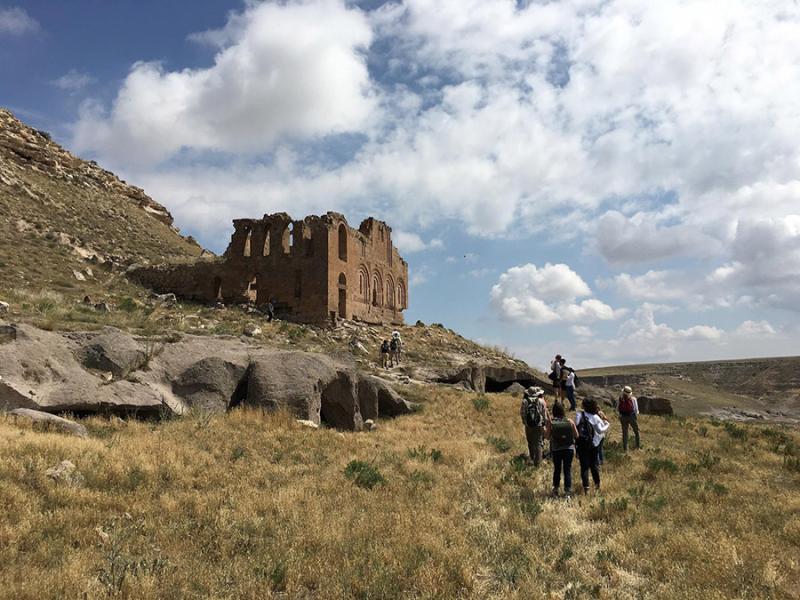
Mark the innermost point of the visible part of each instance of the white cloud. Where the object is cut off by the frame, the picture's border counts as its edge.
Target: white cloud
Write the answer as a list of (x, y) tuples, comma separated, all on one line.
[(531, 295), (408, 243), (73, 81), (581, 331), (15, 21), (751, 329), (293, 69)]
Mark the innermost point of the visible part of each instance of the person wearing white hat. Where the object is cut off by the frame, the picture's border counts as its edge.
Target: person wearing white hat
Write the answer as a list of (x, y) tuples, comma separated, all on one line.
[(628, 409), (533, 412)]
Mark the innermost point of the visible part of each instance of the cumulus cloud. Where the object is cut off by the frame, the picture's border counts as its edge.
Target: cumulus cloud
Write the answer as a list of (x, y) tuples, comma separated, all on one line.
[(295, 69), (408, 243), (751, 329), (581, 331), (73, 81), (15, 21), (531, 295)]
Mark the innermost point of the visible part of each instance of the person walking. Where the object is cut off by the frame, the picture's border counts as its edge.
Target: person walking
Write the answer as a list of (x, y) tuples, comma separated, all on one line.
[(569, 387), (628, 411), (533, 412), (562, 434), (394, 350), (591, 431), (385, 354), (270, 311)]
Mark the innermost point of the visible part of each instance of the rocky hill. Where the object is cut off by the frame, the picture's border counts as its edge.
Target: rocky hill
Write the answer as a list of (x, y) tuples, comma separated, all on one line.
[(65, 220)]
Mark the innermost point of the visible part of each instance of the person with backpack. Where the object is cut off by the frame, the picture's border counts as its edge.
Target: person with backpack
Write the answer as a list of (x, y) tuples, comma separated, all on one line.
[(628, 409), (533, 412), (591, 431), (394, 349), (385, 354), (569, 387), (562, 434), (555, 376)]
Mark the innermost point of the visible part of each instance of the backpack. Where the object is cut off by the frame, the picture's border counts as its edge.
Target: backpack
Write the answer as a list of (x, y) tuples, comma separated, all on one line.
[(384, 347), (534, 414), (393, 345), (585, 432), (561, 435), (625, 406), (576, 381)]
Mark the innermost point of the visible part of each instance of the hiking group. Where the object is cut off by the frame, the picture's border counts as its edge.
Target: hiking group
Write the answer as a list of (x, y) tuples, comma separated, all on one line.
[(582, 435), (391, 350)]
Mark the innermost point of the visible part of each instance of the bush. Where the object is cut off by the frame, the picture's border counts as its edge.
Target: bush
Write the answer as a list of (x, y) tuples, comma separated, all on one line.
[(500, 444), (481, 403), (363, 474), (656, 465), (736, 432)]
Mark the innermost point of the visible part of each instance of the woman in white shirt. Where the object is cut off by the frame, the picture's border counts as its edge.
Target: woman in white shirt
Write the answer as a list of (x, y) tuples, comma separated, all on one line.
[(591, 430)]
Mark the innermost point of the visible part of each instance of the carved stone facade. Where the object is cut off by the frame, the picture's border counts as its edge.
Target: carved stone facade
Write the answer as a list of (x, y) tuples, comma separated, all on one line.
[(314, 270)]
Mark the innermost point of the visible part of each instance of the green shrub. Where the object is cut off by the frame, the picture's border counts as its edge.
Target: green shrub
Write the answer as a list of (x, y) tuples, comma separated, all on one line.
[(363, 474), (500, 444), (529, 505), (481, 403), (657, 465), (735, 431)]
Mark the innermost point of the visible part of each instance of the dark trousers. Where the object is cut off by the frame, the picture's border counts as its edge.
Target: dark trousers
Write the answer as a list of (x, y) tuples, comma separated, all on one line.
[(562, 460), (571, 397), (535, 438), (589, 459), (629, 421)]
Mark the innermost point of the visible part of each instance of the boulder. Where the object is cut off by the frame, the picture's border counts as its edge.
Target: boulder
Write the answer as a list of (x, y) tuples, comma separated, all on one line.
[(65, 473), (493, 378), (211, 384), (252, 330), (13, 396), (53, 421), (376, 398), (4, 307), (515, 388), (339, 402), (653, 405), (8, 333), (292, 380), (114, 351)]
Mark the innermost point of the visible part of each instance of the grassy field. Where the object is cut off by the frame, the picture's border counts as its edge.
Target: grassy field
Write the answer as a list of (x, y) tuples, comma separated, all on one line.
[(436, 504)]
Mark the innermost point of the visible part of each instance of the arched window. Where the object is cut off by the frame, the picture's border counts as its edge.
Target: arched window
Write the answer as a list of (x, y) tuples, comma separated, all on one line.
[(377, 290), (401, 295), (265, 249), (287, 238), (252, 289), (343, 242), (363, 284), (390, 291), (247, 243)]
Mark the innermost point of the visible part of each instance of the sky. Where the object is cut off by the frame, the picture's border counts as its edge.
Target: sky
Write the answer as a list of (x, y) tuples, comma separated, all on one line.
[(617, 181)]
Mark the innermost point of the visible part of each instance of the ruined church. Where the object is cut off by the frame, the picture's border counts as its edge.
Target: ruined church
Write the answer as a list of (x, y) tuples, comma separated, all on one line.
[(315, 270)]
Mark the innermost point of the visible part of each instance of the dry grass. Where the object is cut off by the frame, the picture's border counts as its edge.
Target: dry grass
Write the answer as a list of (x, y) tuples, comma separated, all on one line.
[(248, 505)]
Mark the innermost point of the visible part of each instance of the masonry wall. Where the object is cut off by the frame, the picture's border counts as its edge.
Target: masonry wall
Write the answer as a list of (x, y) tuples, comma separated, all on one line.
[(314, 270)]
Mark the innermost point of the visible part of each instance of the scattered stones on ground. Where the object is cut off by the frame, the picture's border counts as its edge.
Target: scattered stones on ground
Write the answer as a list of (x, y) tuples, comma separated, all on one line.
[(4, 307), (370, 425), (307, 423), (78, 275)]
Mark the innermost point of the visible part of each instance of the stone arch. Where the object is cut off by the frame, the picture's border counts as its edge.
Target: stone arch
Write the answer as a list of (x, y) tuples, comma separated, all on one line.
[(252, 289), (287, 238), (343, 242), (247, 242), (342, 296), (363, 284), (265, 250), (216, 290), (377, 289), (401, 295), (390, 291)]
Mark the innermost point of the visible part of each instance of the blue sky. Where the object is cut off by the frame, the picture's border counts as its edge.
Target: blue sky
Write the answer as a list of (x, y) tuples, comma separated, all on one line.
[(615, 180)]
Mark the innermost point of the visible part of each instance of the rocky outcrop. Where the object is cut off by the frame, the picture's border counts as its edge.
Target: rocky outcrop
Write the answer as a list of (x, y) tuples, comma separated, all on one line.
[(51, 421), (56, 373), (112, 351), (211, 384), (653, 405), (33, 149), (492, 378)]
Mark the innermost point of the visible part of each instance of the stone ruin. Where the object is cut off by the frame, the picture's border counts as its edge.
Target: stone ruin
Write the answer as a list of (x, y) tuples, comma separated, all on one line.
[(315, 270)]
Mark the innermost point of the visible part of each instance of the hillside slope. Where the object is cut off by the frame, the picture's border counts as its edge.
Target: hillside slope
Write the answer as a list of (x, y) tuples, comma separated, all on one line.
[(747, 388), (60, 214)]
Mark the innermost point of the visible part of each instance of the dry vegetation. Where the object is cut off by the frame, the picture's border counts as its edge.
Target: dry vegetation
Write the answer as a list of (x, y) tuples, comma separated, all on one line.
[(432, 505)]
